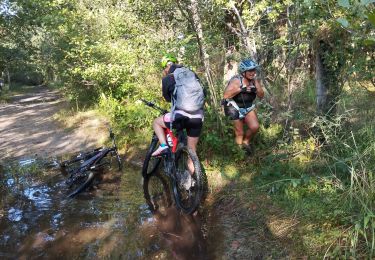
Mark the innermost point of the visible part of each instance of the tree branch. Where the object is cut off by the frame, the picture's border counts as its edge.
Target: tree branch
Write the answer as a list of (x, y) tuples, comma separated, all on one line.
[(237, 13), (234, 30)]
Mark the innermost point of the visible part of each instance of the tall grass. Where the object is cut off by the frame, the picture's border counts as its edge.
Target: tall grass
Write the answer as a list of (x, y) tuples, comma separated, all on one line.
[(362, 197), (351, 150)]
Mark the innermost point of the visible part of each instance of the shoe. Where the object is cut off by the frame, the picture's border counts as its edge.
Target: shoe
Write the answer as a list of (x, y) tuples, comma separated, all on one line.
[(186, 180), (247, 148), (160, 151)]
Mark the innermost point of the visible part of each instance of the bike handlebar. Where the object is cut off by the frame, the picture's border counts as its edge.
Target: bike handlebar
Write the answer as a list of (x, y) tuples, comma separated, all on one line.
[(112, 136), (154, 106)]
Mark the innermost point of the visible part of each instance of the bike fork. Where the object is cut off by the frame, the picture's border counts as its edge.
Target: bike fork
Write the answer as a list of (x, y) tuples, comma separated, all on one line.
[(169, 164)]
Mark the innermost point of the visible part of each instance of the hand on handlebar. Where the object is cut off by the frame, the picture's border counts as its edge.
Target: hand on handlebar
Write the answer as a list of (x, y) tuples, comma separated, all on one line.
[(151, 104)]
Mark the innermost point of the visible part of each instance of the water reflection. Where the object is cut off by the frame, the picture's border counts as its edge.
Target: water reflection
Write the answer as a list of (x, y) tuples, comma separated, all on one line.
[(14, 214), (181, 234), (111, 220), (39, 196), (26, 162), (10, 181)]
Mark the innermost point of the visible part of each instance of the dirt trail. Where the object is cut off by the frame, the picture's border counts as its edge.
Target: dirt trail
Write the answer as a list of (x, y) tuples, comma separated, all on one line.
[(28, 128)]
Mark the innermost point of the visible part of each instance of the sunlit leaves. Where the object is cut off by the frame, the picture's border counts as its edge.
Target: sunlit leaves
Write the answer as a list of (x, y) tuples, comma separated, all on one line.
[(367, 2), (344, 3), (343, 22), (371, 17)]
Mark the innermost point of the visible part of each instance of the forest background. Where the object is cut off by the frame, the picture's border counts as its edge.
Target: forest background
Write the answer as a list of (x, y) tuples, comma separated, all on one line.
[(315, 152)]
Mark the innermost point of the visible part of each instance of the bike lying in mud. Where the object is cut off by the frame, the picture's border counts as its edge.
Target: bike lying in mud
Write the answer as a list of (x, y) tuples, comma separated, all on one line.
[(187, 186), (84, 167)]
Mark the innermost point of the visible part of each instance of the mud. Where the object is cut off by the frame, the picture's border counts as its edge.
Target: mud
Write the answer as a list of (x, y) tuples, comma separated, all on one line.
[(111, 220)]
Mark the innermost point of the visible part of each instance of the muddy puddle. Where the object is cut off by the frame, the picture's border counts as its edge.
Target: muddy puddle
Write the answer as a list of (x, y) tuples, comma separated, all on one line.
[(111, 220)]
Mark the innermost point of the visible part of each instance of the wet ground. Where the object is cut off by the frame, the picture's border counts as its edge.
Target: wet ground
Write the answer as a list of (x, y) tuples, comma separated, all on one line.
[(111, 220)]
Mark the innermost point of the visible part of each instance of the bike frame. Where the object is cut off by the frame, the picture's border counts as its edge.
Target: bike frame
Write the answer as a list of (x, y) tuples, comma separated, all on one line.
[(103, 153), (172, 140), (178, 146), (98, 155)]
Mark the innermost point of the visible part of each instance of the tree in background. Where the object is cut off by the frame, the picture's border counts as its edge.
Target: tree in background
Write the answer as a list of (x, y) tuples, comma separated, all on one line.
[(314, 56)]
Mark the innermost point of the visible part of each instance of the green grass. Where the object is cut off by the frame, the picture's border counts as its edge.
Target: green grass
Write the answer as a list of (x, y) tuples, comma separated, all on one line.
[(314, 179)]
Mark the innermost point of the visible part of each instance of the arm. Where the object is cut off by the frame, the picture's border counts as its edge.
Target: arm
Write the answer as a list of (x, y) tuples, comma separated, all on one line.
[(233, 88), (168, 84), (260, 91)]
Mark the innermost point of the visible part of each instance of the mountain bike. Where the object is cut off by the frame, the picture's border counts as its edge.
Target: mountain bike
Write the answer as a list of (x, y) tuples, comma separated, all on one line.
[(187, 187), (84, 167)]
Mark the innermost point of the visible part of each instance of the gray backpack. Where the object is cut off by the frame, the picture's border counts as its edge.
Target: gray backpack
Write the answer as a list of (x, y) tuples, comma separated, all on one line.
[(188, 92)]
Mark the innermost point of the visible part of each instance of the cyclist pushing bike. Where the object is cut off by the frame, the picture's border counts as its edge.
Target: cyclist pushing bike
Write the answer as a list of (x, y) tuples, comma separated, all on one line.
[(176, 150), (182, 87)]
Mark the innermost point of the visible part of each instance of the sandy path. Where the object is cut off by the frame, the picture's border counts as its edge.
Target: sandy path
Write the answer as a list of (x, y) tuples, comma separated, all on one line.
[(27, 127)]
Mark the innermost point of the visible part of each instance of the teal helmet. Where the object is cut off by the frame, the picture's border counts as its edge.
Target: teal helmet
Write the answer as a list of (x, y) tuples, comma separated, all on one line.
[(167, 58), (247, 64)]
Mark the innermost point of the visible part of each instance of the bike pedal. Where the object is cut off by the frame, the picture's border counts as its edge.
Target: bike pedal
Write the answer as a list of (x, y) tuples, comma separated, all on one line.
[(162, 154)]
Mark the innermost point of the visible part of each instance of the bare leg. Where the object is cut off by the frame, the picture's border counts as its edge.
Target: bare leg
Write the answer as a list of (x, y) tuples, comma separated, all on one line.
[(238, 131), (252, 123), (192, 144), (159, 126)]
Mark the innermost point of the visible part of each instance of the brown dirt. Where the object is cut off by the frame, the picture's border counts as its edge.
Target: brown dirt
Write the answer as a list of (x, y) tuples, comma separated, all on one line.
[(28, 127), (251, 226)]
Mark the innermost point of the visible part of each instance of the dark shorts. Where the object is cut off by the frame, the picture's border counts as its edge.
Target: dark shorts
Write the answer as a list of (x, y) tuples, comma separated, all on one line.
[(193, 126)]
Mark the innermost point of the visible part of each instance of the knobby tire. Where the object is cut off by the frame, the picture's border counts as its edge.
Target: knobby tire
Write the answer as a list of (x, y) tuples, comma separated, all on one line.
[(197, 176), (81, 184), (150, 164), (162, 197)]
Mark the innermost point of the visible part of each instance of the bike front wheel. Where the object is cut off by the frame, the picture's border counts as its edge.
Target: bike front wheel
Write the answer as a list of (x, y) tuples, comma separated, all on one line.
[(156, 192), (81, 182), (188, 180), (151, 163)]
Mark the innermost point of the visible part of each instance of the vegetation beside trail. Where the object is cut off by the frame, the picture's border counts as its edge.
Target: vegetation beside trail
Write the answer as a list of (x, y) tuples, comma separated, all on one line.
[(311, 180)]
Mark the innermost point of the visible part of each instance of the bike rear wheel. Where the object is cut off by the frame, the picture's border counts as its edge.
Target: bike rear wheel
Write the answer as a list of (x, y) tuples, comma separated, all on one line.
[(187, 190), (81, 182), (151, 163)]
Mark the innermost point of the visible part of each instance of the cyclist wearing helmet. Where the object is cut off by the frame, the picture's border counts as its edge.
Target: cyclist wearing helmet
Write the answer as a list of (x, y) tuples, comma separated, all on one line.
[(239, 95), (192, 122)]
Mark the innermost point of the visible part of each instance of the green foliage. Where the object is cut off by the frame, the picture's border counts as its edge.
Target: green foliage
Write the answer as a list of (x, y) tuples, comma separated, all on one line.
[(217, 138), (107, 53), (328, 179)]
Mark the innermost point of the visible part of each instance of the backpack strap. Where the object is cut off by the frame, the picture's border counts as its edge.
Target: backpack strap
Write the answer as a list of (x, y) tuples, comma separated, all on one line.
[(173, 108), (230, 100), (233, 103), (241, 80), (173, 99)]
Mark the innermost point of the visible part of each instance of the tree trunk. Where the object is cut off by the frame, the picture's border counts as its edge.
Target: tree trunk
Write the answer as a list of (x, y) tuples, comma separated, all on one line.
[(245, 36), (204, 55), (230, 65), (7, 87), (321, 88), (289, 64)]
